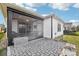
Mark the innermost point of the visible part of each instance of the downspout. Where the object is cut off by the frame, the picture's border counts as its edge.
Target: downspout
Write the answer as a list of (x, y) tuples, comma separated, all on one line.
[(51, 28)]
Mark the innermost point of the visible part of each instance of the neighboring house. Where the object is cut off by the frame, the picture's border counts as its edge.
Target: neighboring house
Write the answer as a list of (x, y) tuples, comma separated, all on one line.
[(68, 26), (23, 22), (75, 24), (1, 28)]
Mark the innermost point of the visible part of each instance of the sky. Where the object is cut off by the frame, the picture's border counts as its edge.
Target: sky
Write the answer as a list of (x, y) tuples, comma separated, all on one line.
[(1, 18), (68, 12)]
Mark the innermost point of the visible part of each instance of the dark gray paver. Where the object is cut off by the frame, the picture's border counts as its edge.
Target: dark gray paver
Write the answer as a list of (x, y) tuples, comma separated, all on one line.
[(38, 47)]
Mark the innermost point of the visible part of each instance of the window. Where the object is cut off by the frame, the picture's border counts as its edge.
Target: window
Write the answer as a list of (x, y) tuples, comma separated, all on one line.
[(59, 27)]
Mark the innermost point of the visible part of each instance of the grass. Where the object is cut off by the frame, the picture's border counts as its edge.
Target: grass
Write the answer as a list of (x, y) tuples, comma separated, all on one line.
[(1, 35), (74, 40), (77, 33), (3, 52)]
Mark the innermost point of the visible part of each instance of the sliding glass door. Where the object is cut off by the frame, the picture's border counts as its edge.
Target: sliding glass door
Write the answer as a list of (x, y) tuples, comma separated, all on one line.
[(22, 28)]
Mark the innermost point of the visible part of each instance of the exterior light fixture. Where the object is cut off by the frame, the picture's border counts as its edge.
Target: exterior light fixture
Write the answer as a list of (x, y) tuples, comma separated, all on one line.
[(27, 20)]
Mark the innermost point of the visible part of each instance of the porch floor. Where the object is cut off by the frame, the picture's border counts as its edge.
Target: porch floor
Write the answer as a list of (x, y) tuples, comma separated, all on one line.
[(38, 47)]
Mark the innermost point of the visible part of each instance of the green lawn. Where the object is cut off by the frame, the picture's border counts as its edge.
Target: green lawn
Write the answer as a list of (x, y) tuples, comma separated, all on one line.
[(74, 40), (3, 52), (1, 35), (77, 33)]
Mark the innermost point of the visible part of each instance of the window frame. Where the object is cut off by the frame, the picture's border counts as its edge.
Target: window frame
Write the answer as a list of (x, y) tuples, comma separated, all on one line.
[(59, 27)]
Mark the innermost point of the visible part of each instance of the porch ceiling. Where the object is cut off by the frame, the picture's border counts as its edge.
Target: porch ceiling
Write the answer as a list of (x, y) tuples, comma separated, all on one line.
[(22, 18)]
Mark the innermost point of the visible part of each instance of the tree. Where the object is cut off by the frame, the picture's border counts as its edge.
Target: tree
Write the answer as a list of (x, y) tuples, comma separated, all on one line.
[(77, 28), (73, 28)]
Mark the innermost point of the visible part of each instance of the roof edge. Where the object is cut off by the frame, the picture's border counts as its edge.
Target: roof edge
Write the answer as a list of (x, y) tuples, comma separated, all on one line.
[(17, 7), (53, 15)]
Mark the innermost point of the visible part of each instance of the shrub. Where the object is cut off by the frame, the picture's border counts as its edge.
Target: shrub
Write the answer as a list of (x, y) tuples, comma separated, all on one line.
[(78, 28), (66, 32)]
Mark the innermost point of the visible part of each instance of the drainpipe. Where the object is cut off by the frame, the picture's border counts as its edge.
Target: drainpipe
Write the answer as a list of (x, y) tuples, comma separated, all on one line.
[(51, 28)]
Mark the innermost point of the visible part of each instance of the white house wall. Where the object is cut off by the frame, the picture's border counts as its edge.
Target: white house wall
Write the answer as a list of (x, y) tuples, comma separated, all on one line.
[(47, 28), (39, 27), (55, 28)]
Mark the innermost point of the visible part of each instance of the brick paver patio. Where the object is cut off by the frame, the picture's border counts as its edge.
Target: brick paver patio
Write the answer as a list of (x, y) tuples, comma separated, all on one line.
[(38, 47)]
